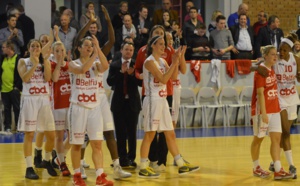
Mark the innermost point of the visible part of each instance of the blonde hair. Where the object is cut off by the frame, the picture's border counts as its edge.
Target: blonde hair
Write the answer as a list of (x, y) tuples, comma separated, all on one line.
[(58, 43), (265, 50), (215, 15)]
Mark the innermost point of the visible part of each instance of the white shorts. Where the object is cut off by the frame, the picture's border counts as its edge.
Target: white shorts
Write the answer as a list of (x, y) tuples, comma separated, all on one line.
[(291, 111), (176, 103), (274, 123), (157, 115), (108, 122), (60, 118), (83, 120), (35, 114)]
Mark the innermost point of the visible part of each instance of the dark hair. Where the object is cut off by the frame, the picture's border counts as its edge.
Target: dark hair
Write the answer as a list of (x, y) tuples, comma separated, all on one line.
[(122, 2), (242, 15), (88, 4), (10, 16), (193, 8), (41, 58), (202, 26), (156, 27), (9, 44), (152, 41), (126, 43), (272, 19), (20, 8), (127, 37), (220, 17), (142, 6)]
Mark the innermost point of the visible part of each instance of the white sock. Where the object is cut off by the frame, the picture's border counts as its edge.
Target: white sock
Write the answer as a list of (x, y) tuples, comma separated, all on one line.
[(277, 165), (28, 160), (77, 170), (38, 148), (289, 157), (144, 164), (255, 164), (81, 161), (61, 157), (47, 156), (116, 162), (99, 172), (179, 162)]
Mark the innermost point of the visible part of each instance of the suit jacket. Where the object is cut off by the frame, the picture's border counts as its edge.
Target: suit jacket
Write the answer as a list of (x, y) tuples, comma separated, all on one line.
[(116, 80), (235, 31), (264, 38)]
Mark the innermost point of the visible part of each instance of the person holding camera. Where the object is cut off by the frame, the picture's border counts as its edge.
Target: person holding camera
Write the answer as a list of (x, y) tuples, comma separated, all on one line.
[(221, 40)]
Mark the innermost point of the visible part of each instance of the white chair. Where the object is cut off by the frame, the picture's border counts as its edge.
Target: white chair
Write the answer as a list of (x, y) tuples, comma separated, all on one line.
[(230, 98), (245, 98), (187, 101), (207, 99)]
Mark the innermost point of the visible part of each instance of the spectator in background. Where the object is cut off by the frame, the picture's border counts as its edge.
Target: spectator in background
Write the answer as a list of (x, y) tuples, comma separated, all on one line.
[(297, 48), (73, 22), (128, 29), (90, 9), (61, 9), (118, 54), (3, 16), (233, 19), (12, 33), (198, 47), (262, 21), (143, 25), (166, 7), (66, 33), (176, 32), (187, 17), (29, 32), (268, 35), (166, 21), (11, 84), (221, 40), (243, 37), (117, 20), (213, 24), (55, 16)]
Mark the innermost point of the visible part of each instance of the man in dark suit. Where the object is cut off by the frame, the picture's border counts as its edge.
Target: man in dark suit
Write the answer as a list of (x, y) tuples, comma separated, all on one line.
[(269, 35), (125, 104), (243, 37)]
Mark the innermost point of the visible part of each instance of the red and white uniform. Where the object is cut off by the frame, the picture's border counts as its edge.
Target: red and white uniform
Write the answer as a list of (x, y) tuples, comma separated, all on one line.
[(35, 108), (286, 79), (155, 106), (84, 114), (60, 95), (271, 101), (108, 123)]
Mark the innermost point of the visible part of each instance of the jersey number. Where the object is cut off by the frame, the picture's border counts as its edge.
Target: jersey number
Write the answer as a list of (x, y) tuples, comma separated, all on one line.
[(288, 68)]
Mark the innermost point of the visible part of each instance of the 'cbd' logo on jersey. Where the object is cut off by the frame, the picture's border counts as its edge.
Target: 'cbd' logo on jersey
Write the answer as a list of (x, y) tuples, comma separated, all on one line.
[(65, 88), (86, 98), (287, 91), (37, 90)]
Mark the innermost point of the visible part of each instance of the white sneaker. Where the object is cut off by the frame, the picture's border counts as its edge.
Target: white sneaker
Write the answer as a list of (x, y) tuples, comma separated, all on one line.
[(153, 165), (85, 165), (161, 168), (83, 174), (8, 132), (119, 173)]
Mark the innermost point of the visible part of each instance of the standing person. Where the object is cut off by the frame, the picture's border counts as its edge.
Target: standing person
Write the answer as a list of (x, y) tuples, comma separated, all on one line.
[(117, 20), (35, 109), (266, 116), (221, 40), (125, 104), (84, 112), (11, 84), (60, 95), (66, 33), (155, 106), (268, 35), (213, 24), (262, 21), (166, 21), (233, 19), (188, 5), (166, 7), (288, 65), (90, 11), (12, 33)]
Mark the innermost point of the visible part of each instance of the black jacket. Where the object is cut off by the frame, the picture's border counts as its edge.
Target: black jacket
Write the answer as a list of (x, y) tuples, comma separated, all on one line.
[(235, 31), (116, 79), (17, 79)]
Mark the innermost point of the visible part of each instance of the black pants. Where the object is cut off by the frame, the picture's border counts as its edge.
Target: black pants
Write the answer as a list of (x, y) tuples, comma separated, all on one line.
[(125, 127), (243, 55), (11, 99), (159, 149)]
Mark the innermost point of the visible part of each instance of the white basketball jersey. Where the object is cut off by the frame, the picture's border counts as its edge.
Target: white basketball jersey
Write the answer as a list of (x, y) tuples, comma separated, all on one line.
[(286, 79), (84, 87), (154, 88), (100, 83), (37, 84)]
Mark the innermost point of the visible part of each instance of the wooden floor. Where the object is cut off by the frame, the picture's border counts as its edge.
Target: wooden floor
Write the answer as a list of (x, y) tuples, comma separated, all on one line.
[(223, 161)]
